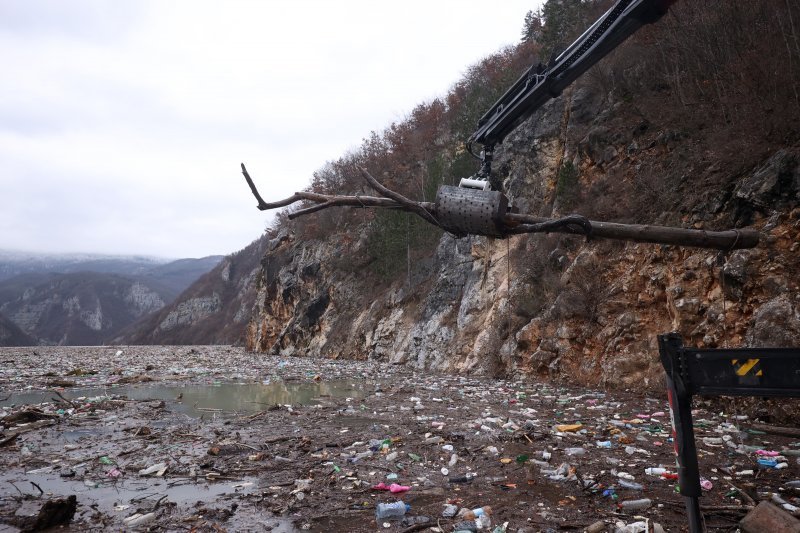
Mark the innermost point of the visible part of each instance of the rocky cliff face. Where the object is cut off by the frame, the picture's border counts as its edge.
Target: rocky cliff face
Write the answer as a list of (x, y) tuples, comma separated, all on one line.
[(83, 308), (558, 305), (213, 310), (11, 335)]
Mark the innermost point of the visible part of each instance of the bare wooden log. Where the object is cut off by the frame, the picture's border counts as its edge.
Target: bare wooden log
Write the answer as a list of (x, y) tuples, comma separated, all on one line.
[(776, 430), (719, 240)]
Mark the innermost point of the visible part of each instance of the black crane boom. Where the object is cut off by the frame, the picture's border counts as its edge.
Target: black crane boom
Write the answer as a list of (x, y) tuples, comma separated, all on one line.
[(539, 84)]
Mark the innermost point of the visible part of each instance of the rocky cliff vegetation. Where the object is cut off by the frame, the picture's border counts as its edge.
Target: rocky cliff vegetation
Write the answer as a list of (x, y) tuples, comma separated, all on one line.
[(213, 310), (61, 300), (691, 123)]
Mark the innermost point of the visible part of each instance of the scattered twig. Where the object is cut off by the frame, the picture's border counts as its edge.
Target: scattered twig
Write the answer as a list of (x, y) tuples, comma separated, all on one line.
[(20, 492), (416, 527), (41, 492), (744, 495), (61, 396), (128, 452), (158, 502)]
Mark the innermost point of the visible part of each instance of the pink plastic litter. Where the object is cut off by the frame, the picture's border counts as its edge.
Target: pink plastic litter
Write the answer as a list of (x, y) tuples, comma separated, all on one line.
[(394, 488)]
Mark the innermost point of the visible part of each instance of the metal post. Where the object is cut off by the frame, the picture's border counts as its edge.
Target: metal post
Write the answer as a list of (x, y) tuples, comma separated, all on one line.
[(680, 402)]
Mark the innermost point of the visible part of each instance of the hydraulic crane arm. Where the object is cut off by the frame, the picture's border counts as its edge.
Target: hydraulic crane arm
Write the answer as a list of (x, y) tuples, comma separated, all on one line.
[(540, 84)]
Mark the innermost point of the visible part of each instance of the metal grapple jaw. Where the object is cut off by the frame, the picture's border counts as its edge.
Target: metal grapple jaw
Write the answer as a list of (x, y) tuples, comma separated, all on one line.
[(472, 209)]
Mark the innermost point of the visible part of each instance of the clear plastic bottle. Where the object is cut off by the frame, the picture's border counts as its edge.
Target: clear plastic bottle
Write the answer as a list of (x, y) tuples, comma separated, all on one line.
[(391, 510), (655, 471), (636, 505), (630, 485), (575, 451)]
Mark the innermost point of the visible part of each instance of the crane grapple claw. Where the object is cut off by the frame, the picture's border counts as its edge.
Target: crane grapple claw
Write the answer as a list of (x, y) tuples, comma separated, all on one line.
[(464, 211)]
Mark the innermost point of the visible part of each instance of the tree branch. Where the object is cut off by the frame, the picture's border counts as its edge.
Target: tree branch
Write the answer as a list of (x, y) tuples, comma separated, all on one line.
[(414, 207), (515, 223)]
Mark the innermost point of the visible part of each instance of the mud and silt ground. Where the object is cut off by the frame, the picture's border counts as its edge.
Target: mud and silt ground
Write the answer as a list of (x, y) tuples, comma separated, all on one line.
[(214, 438)]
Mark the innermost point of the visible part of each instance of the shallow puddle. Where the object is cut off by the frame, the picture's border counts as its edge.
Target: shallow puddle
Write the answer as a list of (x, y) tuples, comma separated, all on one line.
[(124, 497), (209, 399)]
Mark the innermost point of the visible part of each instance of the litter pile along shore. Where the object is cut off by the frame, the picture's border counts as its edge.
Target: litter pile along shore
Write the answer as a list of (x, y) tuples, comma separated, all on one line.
[(212, 438)]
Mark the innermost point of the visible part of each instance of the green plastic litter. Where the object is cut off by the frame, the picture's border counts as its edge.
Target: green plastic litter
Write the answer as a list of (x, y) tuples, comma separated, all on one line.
[(522, 458), (336, 468), (106, 461), (415, 457)]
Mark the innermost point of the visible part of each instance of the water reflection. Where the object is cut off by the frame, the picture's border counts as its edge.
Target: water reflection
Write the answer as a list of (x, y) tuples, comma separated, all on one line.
[(225, 397)]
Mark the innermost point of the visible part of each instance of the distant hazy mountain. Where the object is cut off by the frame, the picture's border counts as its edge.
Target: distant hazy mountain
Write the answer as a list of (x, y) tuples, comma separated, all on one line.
[(88, 299), (11, 335), (14, 263), (213, 310)]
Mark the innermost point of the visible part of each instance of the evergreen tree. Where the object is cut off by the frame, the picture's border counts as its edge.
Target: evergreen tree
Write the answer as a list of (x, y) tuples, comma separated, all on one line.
[(532, 27)]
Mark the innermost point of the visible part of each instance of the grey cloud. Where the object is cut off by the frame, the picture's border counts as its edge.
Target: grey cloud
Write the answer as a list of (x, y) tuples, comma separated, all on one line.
[(91, 20)]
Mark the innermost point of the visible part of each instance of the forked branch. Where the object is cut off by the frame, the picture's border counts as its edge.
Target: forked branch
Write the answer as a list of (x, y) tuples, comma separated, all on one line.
[(516, 223)]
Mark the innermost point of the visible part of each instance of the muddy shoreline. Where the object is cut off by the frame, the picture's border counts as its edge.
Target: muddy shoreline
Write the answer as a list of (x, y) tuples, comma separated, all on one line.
[(213, 438)]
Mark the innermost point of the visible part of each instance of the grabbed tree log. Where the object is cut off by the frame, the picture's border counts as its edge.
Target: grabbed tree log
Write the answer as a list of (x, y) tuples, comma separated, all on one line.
[(508, 223)]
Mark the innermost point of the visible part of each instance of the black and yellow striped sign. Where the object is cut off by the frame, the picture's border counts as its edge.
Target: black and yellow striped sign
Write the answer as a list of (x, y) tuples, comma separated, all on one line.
[(748, 367)]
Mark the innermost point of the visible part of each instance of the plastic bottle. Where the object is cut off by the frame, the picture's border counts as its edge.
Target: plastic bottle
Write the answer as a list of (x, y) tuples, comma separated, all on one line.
[(632, 485), (768, 462), (476, 513), (575, 451), (636, 505), (391, 510), (655, 471)]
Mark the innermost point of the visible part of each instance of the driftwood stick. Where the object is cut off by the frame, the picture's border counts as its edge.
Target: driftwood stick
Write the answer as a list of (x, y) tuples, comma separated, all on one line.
[(65, 400)]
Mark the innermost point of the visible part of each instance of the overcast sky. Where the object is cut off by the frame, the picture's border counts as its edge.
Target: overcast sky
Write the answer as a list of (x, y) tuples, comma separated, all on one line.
[(123, 122)]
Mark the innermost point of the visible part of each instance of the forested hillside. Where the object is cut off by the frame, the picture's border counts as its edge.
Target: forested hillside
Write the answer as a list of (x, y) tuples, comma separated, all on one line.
[(693, 122)]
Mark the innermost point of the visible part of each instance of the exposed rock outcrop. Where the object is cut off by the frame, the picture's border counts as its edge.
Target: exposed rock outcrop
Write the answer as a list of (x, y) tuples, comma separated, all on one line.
[(12, 335), (83, 308), (213, 310), (556, 305)]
